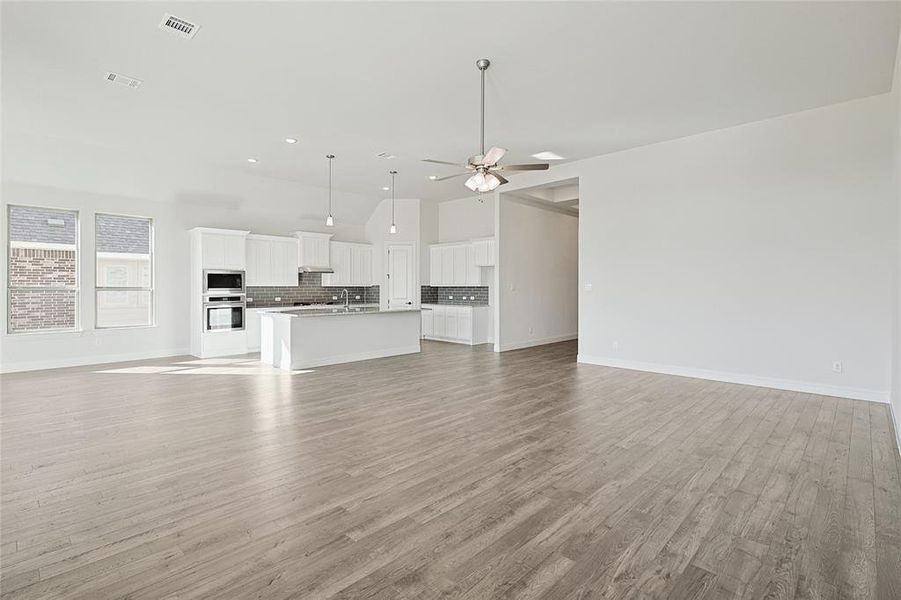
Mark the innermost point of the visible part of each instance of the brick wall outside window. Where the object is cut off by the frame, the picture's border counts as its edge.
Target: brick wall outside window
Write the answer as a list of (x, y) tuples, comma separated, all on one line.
[(36, 310)]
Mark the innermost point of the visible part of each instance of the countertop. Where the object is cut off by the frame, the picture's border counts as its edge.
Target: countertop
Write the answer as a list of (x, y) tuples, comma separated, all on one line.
[(338, 311), (284, 306)]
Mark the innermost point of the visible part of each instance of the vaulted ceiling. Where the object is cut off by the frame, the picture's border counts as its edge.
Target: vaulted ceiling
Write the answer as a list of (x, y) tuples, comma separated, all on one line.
[(360, 78)]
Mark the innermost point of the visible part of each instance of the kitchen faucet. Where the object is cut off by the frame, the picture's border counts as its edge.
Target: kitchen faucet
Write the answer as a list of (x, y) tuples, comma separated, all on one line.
[(346, 298)]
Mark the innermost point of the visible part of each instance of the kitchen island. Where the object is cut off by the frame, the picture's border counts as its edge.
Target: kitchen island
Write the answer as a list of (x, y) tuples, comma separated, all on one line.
[(302, 339)]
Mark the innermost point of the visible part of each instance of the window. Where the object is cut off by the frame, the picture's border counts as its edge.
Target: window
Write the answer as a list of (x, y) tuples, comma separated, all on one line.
[(124, 270), (42, 269)]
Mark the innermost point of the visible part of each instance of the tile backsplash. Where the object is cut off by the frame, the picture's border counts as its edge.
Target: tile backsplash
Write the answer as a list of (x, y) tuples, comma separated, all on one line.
[(461, 295), (309, 289)]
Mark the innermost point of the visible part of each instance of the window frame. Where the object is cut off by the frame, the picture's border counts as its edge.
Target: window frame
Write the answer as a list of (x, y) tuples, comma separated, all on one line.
[(151, 289), (76, 328)]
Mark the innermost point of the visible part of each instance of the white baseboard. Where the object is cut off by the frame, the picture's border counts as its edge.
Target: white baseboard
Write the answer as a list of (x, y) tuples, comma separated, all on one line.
[(80, 361), (537, 342), (755, 380), (897, 424), (357, 356)]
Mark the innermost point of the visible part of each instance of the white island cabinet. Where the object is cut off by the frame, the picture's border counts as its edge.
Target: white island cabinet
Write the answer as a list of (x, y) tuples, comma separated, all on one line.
[(303, 339)]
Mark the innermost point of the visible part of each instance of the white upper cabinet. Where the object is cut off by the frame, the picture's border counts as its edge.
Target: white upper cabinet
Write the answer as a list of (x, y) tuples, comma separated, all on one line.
[(435, 271), (222, 249), (271, 260), (313, 249), (351, 263), (459, 264), (483, 252)]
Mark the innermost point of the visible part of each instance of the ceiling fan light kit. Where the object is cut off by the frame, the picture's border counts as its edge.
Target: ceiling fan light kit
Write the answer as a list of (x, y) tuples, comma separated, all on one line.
[(483, 167)]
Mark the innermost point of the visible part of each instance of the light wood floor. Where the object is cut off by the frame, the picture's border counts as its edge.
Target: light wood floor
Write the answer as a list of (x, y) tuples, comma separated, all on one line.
[(454, 473)]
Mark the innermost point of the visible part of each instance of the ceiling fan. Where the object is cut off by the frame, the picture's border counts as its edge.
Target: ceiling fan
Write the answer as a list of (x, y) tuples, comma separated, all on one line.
[(483, 170)]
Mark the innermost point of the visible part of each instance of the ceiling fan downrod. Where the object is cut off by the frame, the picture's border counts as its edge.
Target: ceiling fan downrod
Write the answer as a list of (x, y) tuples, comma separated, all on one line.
[(482, 64)]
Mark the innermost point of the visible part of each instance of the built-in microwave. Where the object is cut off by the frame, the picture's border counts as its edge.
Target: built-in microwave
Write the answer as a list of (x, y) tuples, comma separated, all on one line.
[(223, 282), (223, 313)]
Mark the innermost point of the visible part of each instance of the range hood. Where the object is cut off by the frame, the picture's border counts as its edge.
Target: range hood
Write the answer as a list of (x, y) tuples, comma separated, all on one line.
[(315, 270)]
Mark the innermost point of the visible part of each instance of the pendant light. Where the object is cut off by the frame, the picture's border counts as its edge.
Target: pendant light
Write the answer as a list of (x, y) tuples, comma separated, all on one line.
[(330, 220), (393, 228)]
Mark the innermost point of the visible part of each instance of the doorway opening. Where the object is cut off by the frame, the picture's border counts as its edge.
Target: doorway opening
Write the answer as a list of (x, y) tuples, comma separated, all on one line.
[(537, 274)]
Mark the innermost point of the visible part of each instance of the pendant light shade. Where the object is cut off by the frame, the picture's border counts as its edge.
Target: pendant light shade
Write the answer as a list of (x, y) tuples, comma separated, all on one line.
[(330, 220), (393, 228)]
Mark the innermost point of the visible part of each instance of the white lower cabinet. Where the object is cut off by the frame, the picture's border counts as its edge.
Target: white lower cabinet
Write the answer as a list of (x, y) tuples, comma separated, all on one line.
[(460, 324)]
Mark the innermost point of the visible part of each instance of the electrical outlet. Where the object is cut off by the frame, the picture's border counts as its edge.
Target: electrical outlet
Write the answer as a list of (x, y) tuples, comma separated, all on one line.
[(531, 331), (334, 297), (356, 297), (615, 346), (278, 298), (836, 366)]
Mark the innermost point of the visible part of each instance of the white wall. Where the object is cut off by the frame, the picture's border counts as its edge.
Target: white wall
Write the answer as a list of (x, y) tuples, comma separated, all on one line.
[(896, 365), (758, 253), (407, 219), (537, 275), (58, 174), (466, 218)]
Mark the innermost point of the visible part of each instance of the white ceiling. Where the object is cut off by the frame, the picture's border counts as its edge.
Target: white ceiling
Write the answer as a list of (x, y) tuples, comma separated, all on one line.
[(358, 78)]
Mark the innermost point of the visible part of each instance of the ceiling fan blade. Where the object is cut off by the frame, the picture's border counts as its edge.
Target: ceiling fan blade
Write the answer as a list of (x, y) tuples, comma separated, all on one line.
[(443, 162), (451, 176), (500, 178), (493, 155), (531, 167)]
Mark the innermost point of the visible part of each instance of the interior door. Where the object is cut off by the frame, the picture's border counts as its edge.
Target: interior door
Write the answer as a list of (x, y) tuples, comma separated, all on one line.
[(400, 275)]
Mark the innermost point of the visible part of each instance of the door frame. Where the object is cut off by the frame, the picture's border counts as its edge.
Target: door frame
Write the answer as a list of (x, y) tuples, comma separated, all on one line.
[(386, 282)]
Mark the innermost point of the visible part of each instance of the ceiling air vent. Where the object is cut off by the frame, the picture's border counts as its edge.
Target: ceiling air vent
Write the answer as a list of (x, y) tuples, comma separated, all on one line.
[(179, 27), (124, 80)]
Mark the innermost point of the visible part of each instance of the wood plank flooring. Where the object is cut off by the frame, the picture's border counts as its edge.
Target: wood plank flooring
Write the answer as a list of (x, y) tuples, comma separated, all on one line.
[(456, 473)]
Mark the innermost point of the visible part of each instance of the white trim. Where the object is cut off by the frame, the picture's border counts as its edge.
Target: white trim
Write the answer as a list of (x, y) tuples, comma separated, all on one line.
[(896, 423), (38, 365), (241, 232), (537, 342), (42, 246), (358, 356), (823, 389)]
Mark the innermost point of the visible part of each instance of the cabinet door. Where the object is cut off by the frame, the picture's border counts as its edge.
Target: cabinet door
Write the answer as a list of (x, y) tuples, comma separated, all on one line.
[(427, 323), (357, 265), (289, 262), (435, 266), (235, 252), (439, 321), (451, 322), (473, 271), (447, 265), (321, 252), (258, 262), (483, 253), (464, 324), (459, 265), (212, 247), (366, 279), (252, 329)]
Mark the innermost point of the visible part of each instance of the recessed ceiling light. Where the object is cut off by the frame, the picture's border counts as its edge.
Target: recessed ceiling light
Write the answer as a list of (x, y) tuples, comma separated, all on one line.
[(433, 177), (385, 188), (291, 140), (547, 156), (251, 160), (386, 155)]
